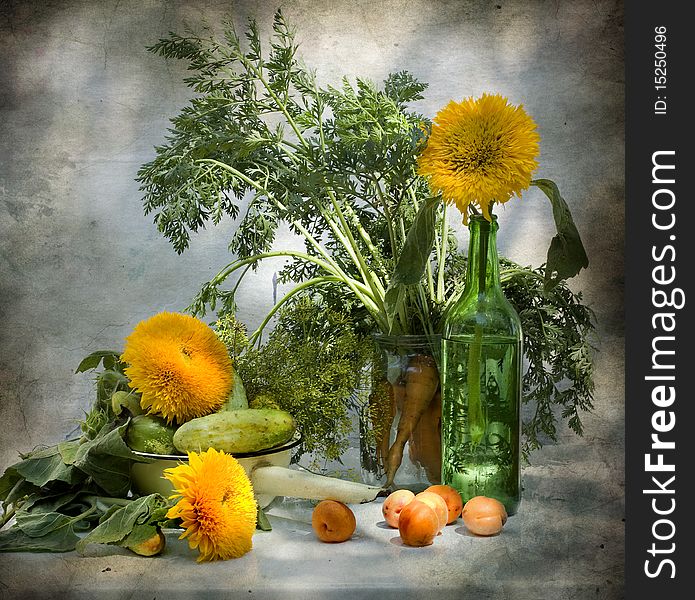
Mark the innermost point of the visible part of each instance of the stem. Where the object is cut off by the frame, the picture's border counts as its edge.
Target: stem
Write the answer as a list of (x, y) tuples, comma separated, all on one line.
[(376, 286), (444, 233), (387, 214), (7, 516), (305, 284), (362, 292), (281, 105), (476, 419)]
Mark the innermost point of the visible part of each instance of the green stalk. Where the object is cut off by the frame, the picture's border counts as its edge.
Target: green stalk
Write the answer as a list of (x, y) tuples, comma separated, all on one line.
[(305, 284), (377, 289), (476, 419), (387, 214), (7, 516), (361, 291), (281, 105), (444, 233)]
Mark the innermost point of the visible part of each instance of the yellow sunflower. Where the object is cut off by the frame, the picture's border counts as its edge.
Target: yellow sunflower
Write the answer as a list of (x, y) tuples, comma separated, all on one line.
[(480, 152), (217, 507), (179, 366)]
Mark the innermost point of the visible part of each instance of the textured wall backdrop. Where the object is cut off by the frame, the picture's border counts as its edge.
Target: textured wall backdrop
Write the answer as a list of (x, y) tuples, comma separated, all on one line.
[(82, 104)]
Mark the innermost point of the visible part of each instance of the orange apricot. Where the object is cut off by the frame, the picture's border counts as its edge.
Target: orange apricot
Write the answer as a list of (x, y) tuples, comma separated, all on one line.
[(418, 524), (394, 504), (484, 516), (436, 502), (333, 521), (453, 500)]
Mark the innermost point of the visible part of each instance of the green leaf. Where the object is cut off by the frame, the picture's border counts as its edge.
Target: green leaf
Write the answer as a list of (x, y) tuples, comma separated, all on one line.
[(418, 245), (125, 521), (262, 521), (109, 357), (68, 450), (45, 466), (40, 523), (107, 459), (414, 256), (566, 254), (16, 540), (392, 300)]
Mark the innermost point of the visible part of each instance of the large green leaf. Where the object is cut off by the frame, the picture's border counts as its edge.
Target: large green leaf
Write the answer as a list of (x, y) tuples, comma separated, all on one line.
[(47, 465), (40, 524), (107, 459), (16, 540), (418, 245), (566, 254), (413, 258), (68, 450), (127, 523)]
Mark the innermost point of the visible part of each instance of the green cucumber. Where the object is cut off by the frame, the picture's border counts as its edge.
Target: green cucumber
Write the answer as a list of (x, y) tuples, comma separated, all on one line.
[(235, 431), (149, 433)]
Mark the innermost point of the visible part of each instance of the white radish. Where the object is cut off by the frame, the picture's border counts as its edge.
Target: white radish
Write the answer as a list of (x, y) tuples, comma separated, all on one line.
[(282, 481)]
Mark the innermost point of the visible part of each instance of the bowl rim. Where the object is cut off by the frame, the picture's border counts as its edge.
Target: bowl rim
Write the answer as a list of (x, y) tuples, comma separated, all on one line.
[(293, 442)]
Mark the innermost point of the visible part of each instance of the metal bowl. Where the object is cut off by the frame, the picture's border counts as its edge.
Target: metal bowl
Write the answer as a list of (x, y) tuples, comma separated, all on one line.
[(148, 477)]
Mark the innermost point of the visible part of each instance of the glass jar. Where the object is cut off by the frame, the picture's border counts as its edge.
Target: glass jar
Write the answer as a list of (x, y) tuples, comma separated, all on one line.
[(398, 361), (481, 380)]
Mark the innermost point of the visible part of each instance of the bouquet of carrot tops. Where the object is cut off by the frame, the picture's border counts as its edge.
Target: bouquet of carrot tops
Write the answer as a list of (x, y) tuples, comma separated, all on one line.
[(339, 165)]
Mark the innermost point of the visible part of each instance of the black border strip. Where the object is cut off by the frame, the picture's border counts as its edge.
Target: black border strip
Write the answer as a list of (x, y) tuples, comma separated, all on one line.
[(659, 121)]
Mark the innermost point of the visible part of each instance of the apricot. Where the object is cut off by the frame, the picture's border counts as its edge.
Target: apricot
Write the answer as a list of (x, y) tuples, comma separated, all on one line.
[(453, 500), (333, 521), (151, 546), (418, 524), (393, 505), (436, 502), (484, 516)]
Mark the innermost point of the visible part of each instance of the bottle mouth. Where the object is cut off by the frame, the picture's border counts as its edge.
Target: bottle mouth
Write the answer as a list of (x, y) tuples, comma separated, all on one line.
[(482, 219)]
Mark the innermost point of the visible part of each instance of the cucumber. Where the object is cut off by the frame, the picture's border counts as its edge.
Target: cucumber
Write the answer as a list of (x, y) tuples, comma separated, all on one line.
[(149, 433), (234, 431)]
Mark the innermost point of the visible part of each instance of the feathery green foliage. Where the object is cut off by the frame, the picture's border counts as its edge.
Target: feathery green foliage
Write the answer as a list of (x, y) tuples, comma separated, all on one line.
[(264, 143)]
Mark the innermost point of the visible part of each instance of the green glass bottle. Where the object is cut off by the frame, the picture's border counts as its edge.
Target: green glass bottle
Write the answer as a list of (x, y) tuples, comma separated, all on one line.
[(481, 380)]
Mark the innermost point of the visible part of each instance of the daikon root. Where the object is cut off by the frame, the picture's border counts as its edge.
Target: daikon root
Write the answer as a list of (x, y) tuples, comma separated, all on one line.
[(281, 481)]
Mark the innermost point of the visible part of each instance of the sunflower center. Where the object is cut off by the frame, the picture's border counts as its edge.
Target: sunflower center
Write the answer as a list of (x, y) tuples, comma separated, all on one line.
[(474, 151)]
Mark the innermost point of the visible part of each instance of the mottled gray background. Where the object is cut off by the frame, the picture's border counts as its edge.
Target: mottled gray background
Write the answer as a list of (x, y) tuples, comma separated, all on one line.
[(82, 104)]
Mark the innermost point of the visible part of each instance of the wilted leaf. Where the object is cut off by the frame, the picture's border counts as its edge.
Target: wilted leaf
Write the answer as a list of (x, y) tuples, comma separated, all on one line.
[(40, 523), (124, 522), (107, 459), (566, 254)]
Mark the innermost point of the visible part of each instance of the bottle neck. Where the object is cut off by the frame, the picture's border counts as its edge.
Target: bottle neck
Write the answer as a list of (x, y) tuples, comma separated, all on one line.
[(483, 275)]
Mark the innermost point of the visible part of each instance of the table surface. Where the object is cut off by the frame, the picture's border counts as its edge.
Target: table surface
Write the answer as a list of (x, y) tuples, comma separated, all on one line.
[(558, 546)]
